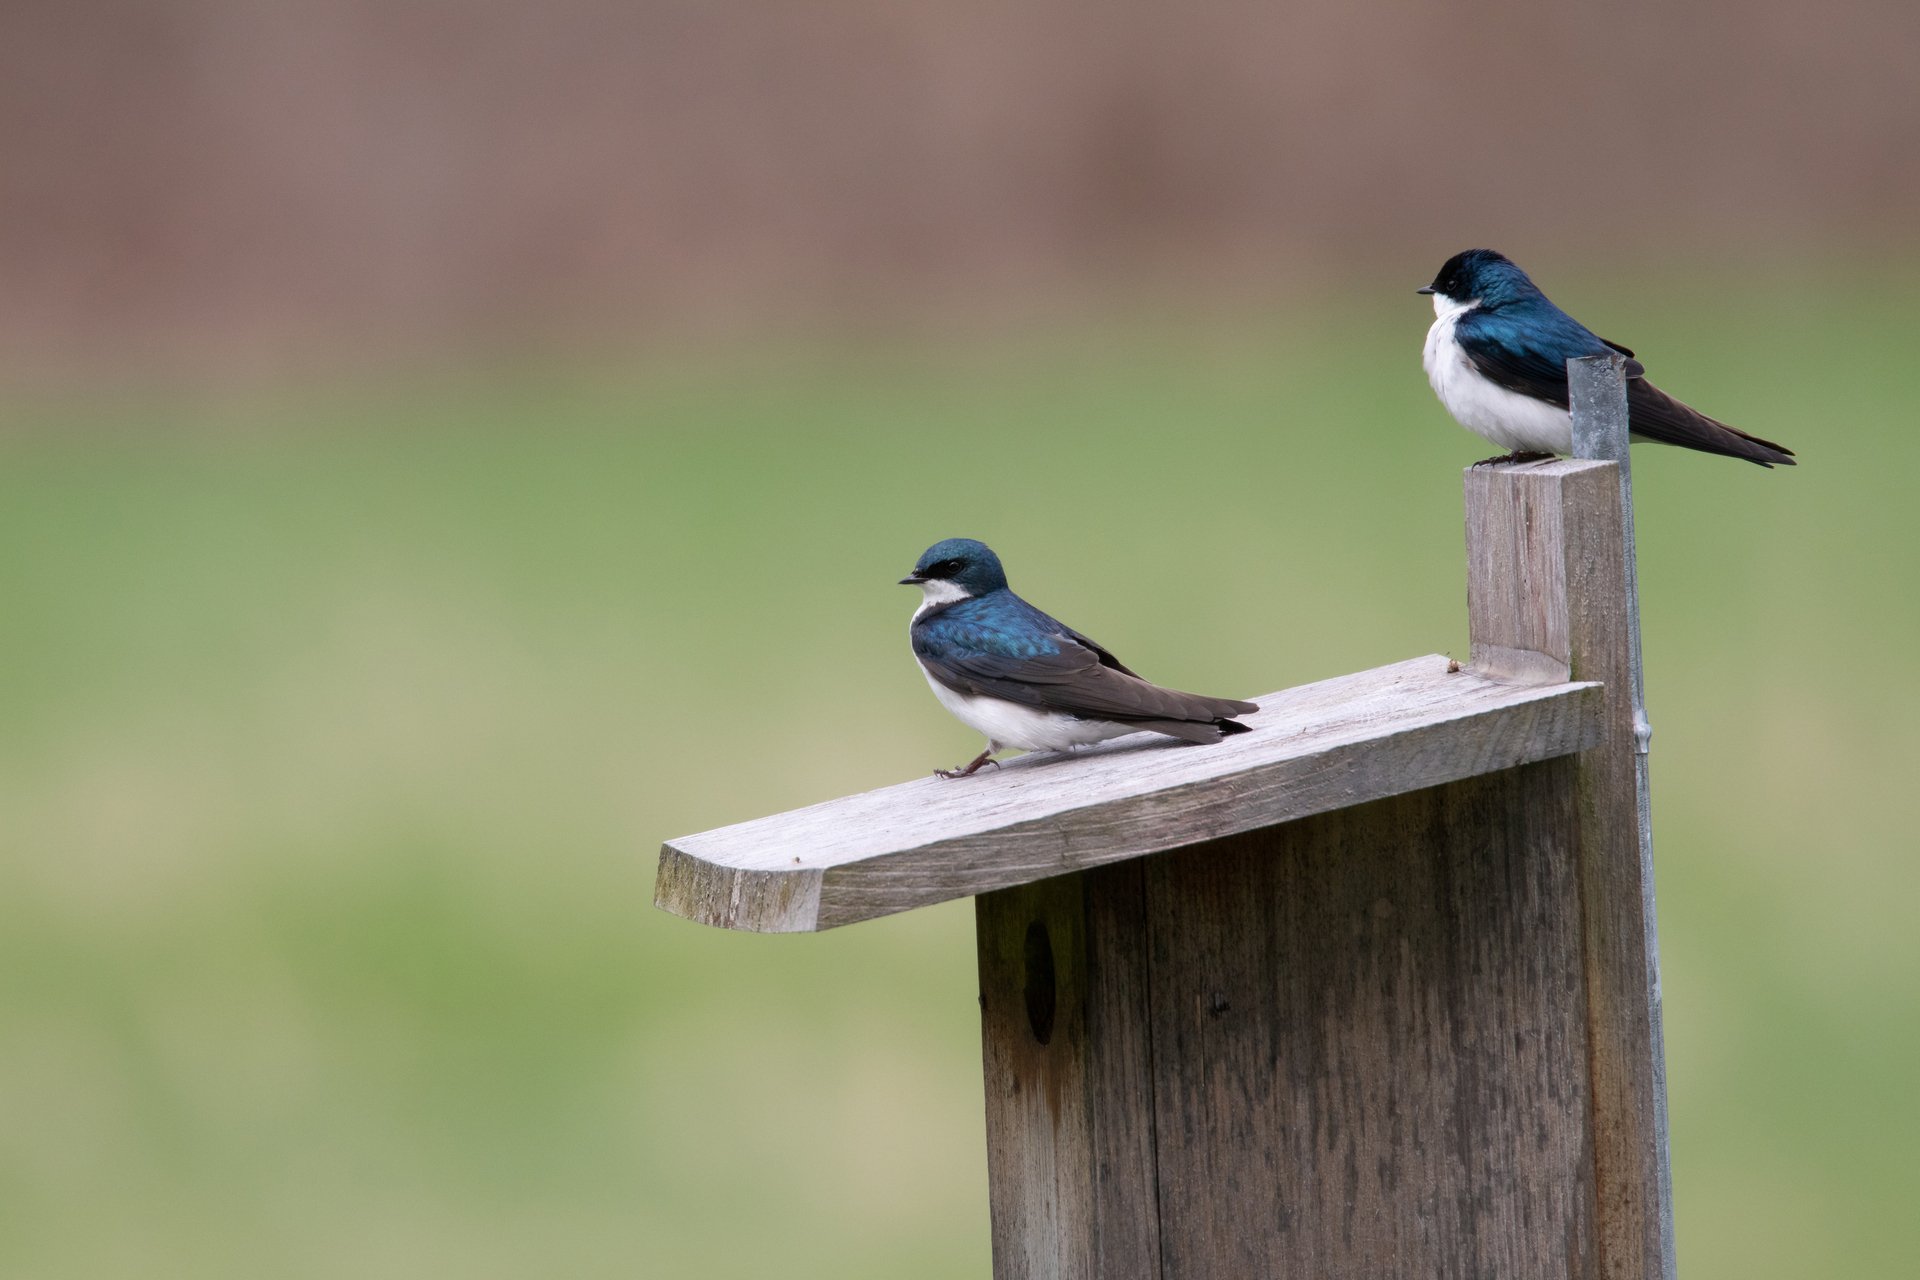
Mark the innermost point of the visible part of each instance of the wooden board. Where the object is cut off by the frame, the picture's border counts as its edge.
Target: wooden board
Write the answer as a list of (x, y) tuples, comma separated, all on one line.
[(1546, 568), (1313, 748), (1348, 1048), (1067, 1063), (1371, 1025)]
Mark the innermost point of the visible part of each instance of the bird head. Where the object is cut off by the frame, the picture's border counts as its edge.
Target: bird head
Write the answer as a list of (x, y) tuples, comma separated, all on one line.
[(1477, 275), (957, 568)]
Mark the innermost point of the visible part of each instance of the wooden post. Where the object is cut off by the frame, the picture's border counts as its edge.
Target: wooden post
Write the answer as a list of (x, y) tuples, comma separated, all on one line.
[(1597, 395), (1361, 993), (1561, 523)]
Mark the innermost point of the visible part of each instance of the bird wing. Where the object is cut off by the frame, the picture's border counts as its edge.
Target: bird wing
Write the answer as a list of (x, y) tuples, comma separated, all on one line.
[(1526, 349), (1106, 657), (1652, 414), (1530, 356), (1051, 669), (1634, 368)]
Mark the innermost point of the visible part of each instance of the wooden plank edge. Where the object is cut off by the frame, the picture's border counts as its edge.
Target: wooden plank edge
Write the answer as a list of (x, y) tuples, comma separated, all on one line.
[(754, 901), (806, 899), (1213, 808)]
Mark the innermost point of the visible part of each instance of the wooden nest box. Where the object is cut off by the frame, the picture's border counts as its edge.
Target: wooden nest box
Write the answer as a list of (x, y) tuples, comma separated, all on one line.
[(1371, 991)]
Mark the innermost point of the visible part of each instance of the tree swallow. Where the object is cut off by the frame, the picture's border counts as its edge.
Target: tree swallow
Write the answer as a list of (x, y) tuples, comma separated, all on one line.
[(1027, 681), (1497, 358)]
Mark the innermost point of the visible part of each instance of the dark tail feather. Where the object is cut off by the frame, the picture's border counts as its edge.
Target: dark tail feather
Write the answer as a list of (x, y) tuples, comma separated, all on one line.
[(1194, 730), (1652, 414), (1198, 730)]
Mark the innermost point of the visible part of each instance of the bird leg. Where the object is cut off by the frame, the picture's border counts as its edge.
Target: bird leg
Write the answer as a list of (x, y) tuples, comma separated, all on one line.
[(984, 758), (1501, 460)]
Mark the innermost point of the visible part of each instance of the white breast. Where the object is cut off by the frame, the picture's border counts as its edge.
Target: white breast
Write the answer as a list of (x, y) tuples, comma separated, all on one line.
[(1008, 724), (1516, 423)]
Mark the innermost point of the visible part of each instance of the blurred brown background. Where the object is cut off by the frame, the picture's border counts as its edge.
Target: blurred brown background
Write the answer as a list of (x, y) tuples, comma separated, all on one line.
[(222, 184)]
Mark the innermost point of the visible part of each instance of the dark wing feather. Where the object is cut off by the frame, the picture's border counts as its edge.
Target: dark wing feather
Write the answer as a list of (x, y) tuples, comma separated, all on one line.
[(1529, 354), (1106, 657), (1634, 368), (1526, 352), (1519, 367), (1073, 681), (1652, 414), (1070, 673)]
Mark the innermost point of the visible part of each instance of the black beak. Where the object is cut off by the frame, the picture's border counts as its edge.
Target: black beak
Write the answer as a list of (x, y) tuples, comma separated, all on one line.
[(1424, 289), (912, 580)]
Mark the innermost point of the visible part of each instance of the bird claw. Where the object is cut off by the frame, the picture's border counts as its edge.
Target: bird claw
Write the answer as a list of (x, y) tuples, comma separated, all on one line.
[(979, 761), (1501, 460)]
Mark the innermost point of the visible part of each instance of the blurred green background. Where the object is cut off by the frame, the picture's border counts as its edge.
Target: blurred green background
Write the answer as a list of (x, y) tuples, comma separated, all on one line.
[(444, 452)]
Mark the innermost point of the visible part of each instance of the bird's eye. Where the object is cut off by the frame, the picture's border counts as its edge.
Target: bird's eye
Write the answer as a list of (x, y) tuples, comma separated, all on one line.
[(946, 568)]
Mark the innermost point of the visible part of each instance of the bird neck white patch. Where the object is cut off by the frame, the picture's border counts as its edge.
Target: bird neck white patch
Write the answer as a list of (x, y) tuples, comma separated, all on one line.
[(938, 591), (1443, 306)]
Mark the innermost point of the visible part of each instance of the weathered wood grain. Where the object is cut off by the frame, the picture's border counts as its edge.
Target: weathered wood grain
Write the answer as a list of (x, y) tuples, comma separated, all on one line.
[(1517, 613), (1348, 1047), (1068, 1072), (1369, 1050), (1313, 748), (1558, 527)]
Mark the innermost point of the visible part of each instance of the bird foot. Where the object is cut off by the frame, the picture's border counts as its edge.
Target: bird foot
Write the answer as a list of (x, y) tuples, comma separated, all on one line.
[(1501, 460), (979, 761)]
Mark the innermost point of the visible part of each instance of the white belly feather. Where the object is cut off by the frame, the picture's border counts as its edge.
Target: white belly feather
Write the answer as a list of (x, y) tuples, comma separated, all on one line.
[(1517, 423), (1008, 724)]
